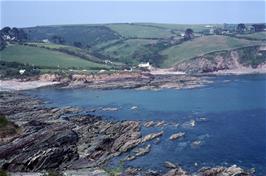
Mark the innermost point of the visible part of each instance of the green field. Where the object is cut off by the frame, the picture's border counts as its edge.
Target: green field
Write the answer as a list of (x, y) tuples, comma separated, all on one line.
[(85, 34), (70, 50), (201, 46), (45, 58), (183, 27), (257, 36), (141, 31), (49, 45), (125, 44), (129, 51)]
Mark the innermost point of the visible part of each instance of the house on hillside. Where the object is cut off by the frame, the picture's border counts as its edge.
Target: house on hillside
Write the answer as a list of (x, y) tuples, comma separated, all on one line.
[(251, 28), (45, 41), (231, 28), (8, 38), (22, 71), (145, 66), (209, 26), (108, 62), (259, 27), (211, 31)]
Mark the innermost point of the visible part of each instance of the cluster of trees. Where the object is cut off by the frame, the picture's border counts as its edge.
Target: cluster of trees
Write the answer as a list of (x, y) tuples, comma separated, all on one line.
[(2, 43), (58, 39), (189, 34), (242, 28), (11, 34), (259, 27), (11, 69)]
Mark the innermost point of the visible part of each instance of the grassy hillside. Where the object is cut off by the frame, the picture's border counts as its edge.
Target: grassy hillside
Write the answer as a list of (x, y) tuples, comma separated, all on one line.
[(70, 50), (256, 36), (45, 58), (201, 46), (124, 43), (129, 51), (141, 31), (85, 34), (183, 27)]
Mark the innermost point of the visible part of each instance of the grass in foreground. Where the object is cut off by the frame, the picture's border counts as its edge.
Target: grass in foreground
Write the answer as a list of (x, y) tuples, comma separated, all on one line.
[(7, 128), (201, 46), (3, 173)]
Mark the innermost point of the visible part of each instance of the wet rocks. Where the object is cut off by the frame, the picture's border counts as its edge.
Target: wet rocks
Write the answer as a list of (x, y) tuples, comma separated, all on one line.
[(150, 124), (86, 172), (176, 172), (142, 151), (129, 145), (170, 165), (151, 136), (223, 171), (110, 109), (44, 149), (134, 108), (160, 124), (189, 124), (177, 136), (102, 139), (196, 143), (47, 141)]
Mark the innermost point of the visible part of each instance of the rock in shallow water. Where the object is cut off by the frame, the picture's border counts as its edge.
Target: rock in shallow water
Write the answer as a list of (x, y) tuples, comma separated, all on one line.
[(152, 136), (177, 136), (170, 165), (223, 171), (82, 141)]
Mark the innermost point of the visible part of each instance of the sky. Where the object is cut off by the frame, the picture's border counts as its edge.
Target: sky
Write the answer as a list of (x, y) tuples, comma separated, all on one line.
[(26, 13)]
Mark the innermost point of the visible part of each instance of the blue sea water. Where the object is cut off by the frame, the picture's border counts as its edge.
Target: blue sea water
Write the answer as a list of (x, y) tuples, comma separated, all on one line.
[(234, 132)]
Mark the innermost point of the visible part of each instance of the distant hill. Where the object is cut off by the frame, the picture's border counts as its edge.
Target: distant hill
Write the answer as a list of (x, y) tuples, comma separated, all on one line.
[(85, 34), (201, 46), (126, 44)]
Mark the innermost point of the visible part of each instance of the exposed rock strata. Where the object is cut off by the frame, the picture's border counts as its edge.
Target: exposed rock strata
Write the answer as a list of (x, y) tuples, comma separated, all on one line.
[(247, 59), (49, 141), (76, 144)]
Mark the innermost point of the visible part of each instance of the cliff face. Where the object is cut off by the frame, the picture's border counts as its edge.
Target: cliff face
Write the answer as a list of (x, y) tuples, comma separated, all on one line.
[(242, 58)]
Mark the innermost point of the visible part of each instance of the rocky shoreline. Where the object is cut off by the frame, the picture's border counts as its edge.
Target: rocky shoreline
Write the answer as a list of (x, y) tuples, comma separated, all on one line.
[(72, 143), (121, 80)]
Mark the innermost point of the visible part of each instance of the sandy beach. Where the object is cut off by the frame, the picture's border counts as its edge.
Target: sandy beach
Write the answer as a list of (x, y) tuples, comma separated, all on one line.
[(16, 84)]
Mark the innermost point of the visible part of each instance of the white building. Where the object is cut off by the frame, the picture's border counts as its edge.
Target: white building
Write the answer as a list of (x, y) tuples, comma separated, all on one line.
[(45, 41), (208, 26), (22, 71), (108, 62), (145, 65)]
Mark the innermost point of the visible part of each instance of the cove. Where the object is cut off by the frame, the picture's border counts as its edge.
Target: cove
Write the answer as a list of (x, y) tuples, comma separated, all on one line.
[(234, 132)]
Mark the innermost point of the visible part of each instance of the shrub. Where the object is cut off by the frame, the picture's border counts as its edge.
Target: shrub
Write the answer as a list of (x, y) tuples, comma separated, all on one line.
[(3, 121), (3, 173)]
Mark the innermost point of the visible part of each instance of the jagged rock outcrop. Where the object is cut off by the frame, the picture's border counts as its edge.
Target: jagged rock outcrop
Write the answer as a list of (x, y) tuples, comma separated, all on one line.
[(49, 140), (247, 57), (223, 171)]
